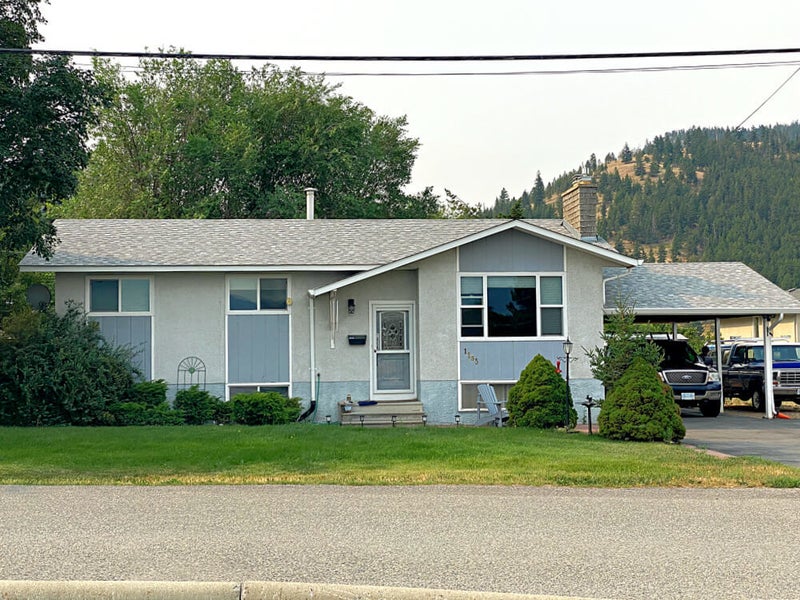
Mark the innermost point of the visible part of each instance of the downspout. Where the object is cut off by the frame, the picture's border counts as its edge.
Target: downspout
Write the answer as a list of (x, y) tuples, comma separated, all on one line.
[(776, 323), (312, 371)]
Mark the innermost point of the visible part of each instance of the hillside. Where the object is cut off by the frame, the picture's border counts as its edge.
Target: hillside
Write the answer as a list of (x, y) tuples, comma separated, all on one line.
[(699, 194)]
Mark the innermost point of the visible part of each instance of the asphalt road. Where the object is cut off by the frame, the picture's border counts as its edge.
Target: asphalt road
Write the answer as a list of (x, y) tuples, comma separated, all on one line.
[(641, 543)]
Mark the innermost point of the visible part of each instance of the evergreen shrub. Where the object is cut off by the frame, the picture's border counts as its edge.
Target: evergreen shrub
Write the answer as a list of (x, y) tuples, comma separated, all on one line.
[(264, 408), (538, 398), (136, 413), (197, 406), (149, 393), (59, 370), (640, 407)]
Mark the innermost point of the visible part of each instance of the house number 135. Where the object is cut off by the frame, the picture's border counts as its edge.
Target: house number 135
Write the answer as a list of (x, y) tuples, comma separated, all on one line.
[(471, 357)]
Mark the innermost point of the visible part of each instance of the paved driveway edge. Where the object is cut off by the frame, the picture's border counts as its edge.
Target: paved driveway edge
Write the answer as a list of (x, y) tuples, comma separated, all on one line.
[(248, 590)]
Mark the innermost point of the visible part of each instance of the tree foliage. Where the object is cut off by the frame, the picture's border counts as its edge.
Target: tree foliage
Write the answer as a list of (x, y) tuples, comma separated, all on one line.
[(721, 195), (46, 107), (539, 398), (623, 343), (192, 139), (59, 370), (640, 407)]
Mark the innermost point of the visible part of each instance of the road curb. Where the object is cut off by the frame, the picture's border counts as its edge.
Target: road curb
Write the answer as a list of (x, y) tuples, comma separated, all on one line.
[(248, 590)]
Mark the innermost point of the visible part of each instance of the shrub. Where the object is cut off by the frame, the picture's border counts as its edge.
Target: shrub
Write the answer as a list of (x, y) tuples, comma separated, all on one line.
[(538, 398), (264, 408), (197, 406), (59, 370), (135, 413), (623, 342), (640, 407), (223, 412), (149, 393), (127, 413)]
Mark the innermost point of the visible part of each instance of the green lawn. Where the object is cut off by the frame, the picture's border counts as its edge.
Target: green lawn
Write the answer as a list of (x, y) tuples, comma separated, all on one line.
[(328, 454)]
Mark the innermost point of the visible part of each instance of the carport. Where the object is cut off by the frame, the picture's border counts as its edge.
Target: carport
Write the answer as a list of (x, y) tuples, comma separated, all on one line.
[(685, 292)]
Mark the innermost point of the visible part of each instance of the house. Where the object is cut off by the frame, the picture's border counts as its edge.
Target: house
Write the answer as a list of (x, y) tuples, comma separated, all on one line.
[(747, 327), (411, 311)]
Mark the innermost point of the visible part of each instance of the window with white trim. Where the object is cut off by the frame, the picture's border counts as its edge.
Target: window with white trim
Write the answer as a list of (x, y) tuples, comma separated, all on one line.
[(251, 293), (469, 393), (119, 295), (511, 306)]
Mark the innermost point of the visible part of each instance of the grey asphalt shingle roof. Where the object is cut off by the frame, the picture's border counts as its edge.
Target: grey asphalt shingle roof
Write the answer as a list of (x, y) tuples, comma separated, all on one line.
[(252, 242), (696, 290)]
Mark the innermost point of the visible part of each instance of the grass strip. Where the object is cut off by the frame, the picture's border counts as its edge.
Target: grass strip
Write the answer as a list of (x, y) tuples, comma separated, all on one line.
[(323, 454)]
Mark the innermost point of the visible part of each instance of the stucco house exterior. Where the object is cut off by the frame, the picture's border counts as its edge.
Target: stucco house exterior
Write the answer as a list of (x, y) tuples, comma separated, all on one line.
[(402, 311)]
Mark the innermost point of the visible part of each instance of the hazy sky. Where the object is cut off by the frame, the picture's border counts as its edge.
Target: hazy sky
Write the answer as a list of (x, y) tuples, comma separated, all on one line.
[(482, 133)]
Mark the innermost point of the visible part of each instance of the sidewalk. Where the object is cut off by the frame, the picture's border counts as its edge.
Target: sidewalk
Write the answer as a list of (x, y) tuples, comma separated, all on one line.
[(250, 590)]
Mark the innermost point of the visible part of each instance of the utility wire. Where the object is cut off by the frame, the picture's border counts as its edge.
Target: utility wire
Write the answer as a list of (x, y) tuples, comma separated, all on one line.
[(601, 71), (772, 95), (420, 58)]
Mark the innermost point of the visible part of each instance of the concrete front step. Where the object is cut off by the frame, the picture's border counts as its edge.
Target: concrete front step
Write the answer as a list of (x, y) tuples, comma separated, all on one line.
[(382, 414)]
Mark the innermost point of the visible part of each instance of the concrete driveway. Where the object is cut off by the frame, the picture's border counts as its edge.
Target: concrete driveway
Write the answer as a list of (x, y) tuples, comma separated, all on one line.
[(740, 431)]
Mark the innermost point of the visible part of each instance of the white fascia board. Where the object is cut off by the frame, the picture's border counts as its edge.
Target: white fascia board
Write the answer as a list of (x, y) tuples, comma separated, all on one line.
[(188, 269), (514, 224), (705, 312)]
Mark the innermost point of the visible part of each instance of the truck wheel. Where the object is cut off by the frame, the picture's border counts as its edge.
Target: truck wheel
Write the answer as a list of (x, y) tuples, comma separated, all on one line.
[(758, 401), (709, 409)]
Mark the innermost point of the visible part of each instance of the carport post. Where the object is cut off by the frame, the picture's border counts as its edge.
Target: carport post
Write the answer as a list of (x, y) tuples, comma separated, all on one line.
[(769, 392), (718, 350)]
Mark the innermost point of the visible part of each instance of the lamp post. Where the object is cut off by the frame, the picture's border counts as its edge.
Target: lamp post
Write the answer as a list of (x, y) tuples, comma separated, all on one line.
[(567, 347)]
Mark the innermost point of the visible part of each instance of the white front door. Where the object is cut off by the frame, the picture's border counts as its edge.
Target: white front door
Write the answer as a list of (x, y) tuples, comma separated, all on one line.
[(392, 371)]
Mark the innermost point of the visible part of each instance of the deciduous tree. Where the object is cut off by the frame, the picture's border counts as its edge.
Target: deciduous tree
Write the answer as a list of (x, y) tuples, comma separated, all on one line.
[(201, 139), (46, 107)]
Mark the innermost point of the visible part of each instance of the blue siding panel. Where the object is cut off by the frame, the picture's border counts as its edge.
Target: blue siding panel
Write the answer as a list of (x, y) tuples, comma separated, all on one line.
[(258, 348), (483, 360), (132, 332), (511, 251)]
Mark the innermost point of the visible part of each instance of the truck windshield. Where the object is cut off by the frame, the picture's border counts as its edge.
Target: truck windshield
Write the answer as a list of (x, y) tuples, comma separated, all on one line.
[(677, 353), (779, 353)]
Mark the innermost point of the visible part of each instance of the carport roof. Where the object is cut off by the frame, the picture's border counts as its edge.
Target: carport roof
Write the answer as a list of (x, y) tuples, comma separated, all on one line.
[(694, 291)]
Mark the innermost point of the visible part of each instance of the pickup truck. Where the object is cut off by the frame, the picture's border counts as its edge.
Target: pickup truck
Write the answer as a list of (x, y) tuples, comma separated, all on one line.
[(743, 372), (693, 383)]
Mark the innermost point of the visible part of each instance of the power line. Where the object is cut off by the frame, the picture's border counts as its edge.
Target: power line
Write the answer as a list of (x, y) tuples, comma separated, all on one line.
[(772, 95), (601, 71), (400, 58)]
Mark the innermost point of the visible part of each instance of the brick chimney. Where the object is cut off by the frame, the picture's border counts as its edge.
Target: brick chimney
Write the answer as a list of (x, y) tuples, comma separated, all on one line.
[(580, 206)]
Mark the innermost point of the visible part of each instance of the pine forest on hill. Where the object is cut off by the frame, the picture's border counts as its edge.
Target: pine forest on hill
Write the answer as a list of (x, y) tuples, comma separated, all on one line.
[(694, 195)]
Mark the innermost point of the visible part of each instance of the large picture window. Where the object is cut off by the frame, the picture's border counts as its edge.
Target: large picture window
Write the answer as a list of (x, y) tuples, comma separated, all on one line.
[(128, 295), (511, 306), (257, 293)]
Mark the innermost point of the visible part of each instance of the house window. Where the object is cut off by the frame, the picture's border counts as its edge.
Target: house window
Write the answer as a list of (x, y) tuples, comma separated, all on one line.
[(282, 389), (128, 295), (469, 394), (257, 293), (510, 306)]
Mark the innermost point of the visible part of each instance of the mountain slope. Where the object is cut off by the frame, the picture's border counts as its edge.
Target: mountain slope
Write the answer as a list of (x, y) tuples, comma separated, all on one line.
[(705, 194)]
